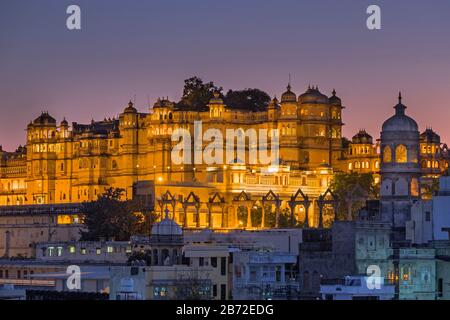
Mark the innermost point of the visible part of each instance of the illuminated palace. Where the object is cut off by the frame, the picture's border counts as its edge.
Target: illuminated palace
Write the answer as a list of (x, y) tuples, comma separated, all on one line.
[(62, 164)]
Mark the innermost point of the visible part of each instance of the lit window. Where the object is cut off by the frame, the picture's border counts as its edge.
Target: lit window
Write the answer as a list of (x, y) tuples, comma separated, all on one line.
[(59, 251), (98, 251), (83, 250), (387, 154), (401, 154), (414, 187), (109, 249), (72, 249)]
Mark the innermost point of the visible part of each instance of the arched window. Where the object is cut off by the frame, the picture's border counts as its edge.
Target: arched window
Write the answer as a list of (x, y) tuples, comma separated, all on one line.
[(387, 154), (401, 154), (165, 257), (350, 166)]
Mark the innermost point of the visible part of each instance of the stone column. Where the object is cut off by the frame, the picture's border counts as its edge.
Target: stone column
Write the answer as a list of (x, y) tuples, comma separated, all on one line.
[(224, 223), (209, 216), (292, 209), (197, 209), (263, 216), (306, 223), (249, 216), (277, 215), (320, 216)]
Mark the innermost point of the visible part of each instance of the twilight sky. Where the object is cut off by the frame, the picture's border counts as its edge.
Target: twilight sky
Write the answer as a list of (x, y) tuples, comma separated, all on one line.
[(140, 48)]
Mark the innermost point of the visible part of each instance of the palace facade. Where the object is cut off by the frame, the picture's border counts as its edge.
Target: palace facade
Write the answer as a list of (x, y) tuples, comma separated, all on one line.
[(66, 164)]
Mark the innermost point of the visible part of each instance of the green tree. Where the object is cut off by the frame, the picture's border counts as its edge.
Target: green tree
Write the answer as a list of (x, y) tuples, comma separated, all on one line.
[(109, 217), (196, 94), (140, 256), (193, 286), (247, 99), (284, 218), (353, 189)]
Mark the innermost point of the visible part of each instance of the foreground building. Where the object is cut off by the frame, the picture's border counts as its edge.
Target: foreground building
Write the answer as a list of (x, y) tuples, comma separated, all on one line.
[(265, 275), (355, 288), (22, 227)]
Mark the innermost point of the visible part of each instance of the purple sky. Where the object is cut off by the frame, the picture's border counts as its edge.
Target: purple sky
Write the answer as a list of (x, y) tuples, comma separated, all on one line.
[(147, 48)]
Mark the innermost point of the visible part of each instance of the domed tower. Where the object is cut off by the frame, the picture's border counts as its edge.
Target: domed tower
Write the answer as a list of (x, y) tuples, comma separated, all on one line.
[(216, 106), (400, 169), (319, 134), (41, 159), (287, 127), (64, 129), (273, 109), (166, 240), (362, 154), (430, 153), (130, 140)]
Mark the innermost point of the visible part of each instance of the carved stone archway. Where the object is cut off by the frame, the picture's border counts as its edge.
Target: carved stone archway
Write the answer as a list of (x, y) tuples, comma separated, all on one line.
[(300, 199), (327, 198), (192, 200), (216, 201), (272, 199), (166, 200), (244, 199)]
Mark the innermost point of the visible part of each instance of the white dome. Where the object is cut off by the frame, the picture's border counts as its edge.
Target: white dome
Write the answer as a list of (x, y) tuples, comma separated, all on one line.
[(166, 227), (400, 121)]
